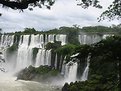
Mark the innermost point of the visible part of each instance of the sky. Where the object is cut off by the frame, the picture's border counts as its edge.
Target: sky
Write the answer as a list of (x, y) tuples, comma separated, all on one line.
[(62, 13)]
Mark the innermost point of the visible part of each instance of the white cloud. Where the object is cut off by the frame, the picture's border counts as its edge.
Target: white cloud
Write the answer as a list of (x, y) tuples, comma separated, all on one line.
[(63, 13)]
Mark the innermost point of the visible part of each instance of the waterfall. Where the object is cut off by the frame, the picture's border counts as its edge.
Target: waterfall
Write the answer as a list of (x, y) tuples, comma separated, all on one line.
[(55, 64), (89, 39), (24, 54), (51, 38), (71, 71), (40, 58), (106, 35), (2, 61), (62, 38), (35, 41), (85, 73), (48, 57), (41, 41), (26, 43), (43, 57), (6, 40), (25, 51)]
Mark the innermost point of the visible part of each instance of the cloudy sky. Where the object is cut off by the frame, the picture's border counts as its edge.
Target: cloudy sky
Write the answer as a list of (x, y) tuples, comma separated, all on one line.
[(62, 13)]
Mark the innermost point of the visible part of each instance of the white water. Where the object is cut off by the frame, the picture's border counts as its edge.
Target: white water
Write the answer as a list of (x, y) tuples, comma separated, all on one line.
[(24, 59), (43, 57), (71, 72), (62, 38), (6, 40), (9, 83), (24, 54), (35, 41), (25, 51), (91, 38), (85, 73), (51, 38)]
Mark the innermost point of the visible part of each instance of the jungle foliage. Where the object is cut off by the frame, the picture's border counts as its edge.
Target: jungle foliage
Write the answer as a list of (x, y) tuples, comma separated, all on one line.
[(105, 55)]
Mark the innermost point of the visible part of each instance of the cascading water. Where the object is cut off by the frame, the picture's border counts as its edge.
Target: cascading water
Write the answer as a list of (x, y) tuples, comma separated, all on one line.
[(24, 54), (28, 42), (25, 51), (39, 58), (41, 41), (34, 41), (51, 38), (62, 38), (43, 57), (24, 59), (6, 40), (85, 73), (71, 71), (106, 35), (55, 64), (91, 38), (48, 57)]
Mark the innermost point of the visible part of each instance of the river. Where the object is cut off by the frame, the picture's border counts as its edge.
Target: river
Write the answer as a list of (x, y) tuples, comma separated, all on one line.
[(9, 83)]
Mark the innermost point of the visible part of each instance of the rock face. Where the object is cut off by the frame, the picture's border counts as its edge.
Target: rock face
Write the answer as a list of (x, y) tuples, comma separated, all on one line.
[(26, 74), (41, 73)]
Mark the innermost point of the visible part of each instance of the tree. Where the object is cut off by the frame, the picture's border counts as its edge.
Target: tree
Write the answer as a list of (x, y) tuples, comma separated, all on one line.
[(24, 4), (113, 11)]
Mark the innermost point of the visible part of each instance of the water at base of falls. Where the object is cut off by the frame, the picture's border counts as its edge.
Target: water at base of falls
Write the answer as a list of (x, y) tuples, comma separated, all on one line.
[(9, 83)]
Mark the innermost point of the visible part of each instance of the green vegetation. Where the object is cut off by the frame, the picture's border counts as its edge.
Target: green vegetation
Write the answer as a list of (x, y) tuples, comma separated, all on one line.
[(97, 29), (97, 83), (71, 32), (105, 55), (29, 30), (46, 70), (41, 73), (66, 49), (54, 45), (100, 29)]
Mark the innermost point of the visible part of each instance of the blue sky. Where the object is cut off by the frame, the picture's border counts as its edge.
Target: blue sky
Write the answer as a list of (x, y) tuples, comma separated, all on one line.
[(62, 13)]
